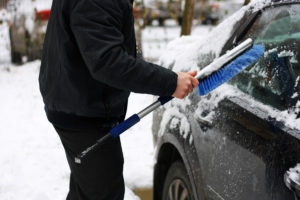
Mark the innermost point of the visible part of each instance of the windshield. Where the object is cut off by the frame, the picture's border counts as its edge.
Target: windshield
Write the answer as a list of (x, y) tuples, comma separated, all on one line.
[(274, 79)]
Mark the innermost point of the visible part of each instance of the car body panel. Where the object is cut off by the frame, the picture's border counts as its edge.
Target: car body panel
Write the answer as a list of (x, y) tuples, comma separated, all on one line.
[(169, 138), (242, 153)]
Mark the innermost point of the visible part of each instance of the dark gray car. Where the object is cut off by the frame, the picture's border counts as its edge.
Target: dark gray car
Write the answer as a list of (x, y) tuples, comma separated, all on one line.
[(241, 141)]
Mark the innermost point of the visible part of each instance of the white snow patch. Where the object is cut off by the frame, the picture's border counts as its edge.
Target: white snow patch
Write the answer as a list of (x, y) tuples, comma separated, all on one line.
[(270, 51), (207, 104), (29, 24), (174, 123), (293, 60), (297, 82), (290, 54), (285, 53), (137, 145), (173, 110), (295, 95), (4, 15), (184, 53), (257, 5), (191, 139), (294, 173)]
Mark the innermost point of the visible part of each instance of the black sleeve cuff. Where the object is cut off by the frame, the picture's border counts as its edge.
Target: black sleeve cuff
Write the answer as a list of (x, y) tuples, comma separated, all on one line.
[(170, 84)]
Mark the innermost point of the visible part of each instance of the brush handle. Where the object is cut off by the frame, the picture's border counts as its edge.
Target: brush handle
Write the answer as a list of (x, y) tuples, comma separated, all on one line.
[(164, 100), (218, 63), (122, 127), (113, 133), (125, 125), (99, 142), (131, 121)]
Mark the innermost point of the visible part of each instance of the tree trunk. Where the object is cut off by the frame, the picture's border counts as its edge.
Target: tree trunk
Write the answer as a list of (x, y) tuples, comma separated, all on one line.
[(3, 3), (246, 2), (188, 16)]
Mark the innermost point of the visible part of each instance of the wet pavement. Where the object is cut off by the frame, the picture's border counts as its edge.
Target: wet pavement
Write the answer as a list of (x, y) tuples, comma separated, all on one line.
[(144, 193)]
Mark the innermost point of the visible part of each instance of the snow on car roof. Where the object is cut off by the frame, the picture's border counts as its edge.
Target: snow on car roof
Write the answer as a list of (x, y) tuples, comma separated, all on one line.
[(183, 54)]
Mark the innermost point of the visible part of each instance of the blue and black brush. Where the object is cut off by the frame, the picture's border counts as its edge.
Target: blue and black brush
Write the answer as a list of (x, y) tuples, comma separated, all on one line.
[(211, 77)]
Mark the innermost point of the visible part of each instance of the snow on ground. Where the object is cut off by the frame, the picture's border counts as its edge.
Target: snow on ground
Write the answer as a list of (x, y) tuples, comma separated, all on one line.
[(33, 163), (32, 157), (138, 146)]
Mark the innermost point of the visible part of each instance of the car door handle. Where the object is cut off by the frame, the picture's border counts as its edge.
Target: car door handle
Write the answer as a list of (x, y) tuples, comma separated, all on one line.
[(293, 183), (205, 122)]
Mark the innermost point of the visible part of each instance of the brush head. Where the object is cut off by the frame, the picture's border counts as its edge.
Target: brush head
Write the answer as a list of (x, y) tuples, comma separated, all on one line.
[(230, 70)]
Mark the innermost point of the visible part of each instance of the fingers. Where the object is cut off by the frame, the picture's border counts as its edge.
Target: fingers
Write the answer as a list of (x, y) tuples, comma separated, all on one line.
[(193, 73), (195, 82), (185, 84), (191, 90), (190, 86)]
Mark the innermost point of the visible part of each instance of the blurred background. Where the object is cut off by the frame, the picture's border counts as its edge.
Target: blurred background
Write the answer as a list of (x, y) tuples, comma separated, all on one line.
[(23, 23), (32, 161)]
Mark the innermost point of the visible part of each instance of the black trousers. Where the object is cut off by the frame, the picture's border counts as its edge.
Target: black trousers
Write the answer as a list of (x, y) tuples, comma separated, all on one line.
[(100, 176)]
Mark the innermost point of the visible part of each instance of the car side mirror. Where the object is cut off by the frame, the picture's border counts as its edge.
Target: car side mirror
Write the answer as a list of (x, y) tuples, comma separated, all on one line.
[(292, 180)]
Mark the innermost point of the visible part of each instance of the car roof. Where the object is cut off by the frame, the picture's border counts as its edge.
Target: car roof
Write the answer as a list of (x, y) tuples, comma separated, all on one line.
[(192, 52), (279, 2)]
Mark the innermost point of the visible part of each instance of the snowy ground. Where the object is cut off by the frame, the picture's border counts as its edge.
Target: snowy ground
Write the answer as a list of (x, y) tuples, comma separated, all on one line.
[(32, 162)]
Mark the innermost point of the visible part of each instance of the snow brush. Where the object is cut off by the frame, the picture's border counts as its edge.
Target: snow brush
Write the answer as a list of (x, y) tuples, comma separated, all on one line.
[(212, 76)]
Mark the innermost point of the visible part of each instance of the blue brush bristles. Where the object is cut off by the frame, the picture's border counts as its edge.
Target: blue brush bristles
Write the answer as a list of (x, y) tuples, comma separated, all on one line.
[(230, 70)]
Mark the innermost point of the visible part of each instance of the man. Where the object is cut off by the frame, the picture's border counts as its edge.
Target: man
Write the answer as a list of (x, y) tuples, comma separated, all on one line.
[(88, 69)]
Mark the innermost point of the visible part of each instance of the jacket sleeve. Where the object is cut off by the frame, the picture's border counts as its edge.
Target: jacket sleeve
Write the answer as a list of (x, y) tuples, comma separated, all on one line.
[(97, 27)]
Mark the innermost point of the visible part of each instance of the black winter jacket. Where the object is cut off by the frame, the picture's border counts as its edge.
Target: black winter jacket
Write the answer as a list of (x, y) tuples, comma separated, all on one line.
[(89, 63)]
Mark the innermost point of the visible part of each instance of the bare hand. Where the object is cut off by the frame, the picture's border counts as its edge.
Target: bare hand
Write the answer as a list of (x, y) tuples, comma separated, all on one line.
[(185, 84)]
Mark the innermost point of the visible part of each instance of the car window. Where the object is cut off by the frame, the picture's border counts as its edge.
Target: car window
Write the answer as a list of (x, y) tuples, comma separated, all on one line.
[(274, 78)]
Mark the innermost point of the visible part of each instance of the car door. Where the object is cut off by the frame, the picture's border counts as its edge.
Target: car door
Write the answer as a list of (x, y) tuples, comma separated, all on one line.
[(249, 139)]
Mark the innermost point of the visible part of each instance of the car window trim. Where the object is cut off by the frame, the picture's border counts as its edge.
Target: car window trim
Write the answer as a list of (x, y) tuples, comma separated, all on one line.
[(279, 127), (241, 31)]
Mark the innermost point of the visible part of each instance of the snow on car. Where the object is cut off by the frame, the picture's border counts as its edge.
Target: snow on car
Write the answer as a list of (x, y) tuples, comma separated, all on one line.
[(238, 141)]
